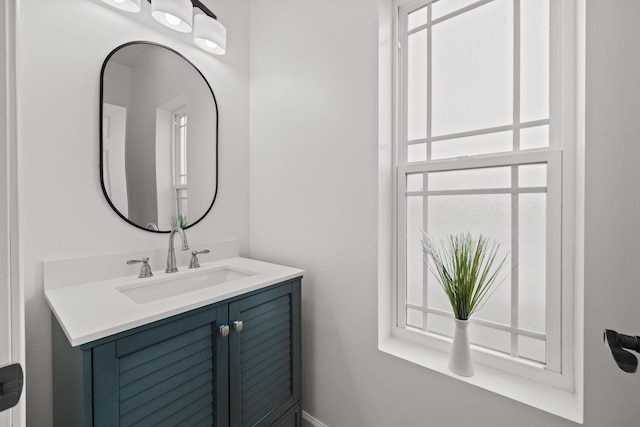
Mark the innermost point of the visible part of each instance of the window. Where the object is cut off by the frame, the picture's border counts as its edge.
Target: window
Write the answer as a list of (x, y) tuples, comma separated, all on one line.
[(180, 161), (482, 147)]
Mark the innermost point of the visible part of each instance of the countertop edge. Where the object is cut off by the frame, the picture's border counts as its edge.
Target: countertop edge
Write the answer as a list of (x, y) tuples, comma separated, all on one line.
[(71, 314), (88, 338)]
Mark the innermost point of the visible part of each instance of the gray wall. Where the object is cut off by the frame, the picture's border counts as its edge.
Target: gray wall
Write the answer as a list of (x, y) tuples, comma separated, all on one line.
[(314, 172), (313, 176), (118, 80), (612, 235), (63, 211)]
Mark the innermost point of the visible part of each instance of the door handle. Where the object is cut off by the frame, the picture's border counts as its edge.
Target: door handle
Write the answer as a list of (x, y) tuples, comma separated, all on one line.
[(11, 382), (617, 343)]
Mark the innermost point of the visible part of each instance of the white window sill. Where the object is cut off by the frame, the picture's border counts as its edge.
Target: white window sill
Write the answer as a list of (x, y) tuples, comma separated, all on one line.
[(556, 401)]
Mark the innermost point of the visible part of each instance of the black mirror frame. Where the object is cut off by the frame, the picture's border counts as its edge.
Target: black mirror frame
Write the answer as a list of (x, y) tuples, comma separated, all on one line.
[(101, 171)]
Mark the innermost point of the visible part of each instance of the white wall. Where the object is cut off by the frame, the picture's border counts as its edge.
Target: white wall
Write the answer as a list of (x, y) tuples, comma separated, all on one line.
[(314, 171), (63, 211)]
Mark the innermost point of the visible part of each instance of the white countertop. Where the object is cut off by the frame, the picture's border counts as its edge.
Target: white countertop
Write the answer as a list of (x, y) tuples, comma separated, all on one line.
[(95, 310)]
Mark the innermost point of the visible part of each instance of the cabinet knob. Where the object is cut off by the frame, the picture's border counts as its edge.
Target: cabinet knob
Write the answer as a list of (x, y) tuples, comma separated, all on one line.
[(224, 330), (238, 325)]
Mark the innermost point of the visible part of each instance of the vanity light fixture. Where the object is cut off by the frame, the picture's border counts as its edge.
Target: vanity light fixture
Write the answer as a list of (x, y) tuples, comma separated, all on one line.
[(128, 5), (174, 14), (208, 33)]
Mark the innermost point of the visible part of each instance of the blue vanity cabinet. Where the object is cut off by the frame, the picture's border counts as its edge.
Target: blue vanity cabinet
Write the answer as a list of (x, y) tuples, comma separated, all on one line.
[(185, 370)]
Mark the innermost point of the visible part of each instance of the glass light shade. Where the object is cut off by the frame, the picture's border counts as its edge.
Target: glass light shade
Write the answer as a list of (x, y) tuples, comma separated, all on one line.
[(127, 5), (174, 14), (210, 34)]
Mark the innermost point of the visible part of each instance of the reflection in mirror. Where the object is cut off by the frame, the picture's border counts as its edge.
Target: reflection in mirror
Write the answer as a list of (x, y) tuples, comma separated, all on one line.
[(159, 137)]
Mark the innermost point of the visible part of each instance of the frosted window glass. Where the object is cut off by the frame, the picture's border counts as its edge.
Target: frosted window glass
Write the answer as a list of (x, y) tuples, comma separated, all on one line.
[(490, 338), (534, 57), (417, 152), (479, 335), (417, 18), (498, 307), (489, 215), (473, 69), (535, 137), (442, 8), (415, 182), (532, 261), (414, 250), (415, 318), (437, 297), (441, 325), (473, 145), (417, 86), (532, 175), (466, 179), (533, 349)]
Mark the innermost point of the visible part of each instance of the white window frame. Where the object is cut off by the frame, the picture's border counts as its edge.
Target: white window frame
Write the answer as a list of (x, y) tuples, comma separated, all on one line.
[(177, 148), (560, 156), (179, 188)]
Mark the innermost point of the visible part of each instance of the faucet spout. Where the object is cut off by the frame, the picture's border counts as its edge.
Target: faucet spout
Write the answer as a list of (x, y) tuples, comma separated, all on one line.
[(171, 256)]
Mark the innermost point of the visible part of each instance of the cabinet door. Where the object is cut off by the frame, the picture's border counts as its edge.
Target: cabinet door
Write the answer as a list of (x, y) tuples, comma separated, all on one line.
[(293, 418), (264, 358), (173, 374)]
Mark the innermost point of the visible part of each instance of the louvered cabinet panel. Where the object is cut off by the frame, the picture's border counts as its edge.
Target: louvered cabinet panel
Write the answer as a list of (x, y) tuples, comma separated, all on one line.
[(264, 357), (174, 374)]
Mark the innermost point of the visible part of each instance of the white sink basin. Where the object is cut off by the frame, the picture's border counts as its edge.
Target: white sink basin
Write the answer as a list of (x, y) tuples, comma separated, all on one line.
[(165, 287)]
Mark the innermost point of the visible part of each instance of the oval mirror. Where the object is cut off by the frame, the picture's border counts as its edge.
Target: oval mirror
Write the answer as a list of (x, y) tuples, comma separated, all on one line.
[(159, 137)]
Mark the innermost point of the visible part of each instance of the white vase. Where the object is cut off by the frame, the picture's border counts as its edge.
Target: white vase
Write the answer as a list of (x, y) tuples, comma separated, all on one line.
[(460, 357)]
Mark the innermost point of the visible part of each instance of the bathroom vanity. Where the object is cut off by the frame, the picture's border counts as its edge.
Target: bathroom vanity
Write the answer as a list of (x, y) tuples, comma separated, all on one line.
[(222, 350), (216, 344)]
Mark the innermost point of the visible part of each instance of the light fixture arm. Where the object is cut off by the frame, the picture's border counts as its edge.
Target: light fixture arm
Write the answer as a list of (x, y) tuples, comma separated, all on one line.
[(202, 7)]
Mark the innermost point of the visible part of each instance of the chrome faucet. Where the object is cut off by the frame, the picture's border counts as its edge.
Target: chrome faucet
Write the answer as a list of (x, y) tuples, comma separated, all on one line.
[(171, 257)]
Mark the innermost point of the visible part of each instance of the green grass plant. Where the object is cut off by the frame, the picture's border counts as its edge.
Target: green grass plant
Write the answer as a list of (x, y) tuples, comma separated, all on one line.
[(178, 221), (466, 267)]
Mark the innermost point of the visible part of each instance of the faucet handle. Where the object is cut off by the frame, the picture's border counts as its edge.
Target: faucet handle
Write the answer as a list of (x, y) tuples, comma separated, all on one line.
[(145, 269), (195, 263)]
